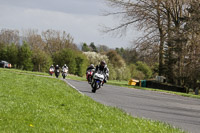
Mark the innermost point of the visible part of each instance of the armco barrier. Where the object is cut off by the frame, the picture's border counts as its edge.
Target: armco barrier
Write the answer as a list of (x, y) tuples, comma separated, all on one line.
[(164, 86)]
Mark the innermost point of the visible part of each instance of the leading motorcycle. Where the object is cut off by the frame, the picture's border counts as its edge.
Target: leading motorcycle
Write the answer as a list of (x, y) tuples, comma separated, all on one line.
[(97, 81)]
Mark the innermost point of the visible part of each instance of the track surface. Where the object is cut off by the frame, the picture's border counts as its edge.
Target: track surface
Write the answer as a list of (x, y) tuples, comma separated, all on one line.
[(181, 112)]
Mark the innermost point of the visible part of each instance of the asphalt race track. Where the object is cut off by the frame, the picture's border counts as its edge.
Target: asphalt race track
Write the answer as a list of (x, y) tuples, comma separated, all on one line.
[(181, 112)]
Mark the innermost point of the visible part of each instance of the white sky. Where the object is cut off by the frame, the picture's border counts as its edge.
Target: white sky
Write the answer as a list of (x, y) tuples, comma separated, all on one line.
[(81, 18)]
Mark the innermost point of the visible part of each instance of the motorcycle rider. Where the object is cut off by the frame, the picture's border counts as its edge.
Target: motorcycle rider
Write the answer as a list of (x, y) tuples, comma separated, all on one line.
[(90, 67), (64, 71), (57, 68), (51, 70), (103, 68), (51, 66), (65, 66)]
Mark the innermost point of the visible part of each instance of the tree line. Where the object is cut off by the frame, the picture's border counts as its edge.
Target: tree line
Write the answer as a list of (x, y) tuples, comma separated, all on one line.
[(37, 52)]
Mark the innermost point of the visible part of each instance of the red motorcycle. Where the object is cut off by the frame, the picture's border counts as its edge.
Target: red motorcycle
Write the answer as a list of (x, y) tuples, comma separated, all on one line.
[(89, 75), (51, 71)]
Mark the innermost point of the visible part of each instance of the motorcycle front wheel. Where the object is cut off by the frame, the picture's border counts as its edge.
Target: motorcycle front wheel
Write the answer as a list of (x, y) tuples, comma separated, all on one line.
[(94, 87)]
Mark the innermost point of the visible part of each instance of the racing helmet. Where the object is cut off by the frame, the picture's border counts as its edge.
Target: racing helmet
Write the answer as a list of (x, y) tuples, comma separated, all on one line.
[(103, 63), (92, 65)]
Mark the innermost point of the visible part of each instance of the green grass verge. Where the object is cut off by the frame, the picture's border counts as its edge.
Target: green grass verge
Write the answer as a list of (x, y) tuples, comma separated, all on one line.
[(125, 84), (30, 103), (76, 77), (24, 72)]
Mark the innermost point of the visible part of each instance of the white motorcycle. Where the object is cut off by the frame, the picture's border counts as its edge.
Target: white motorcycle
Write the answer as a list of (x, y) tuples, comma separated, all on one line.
[(97, 81), (64, 72)]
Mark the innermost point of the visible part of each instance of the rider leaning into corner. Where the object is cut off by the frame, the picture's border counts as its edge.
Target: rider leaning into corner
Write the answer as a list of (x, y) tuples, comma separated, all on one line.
[(102, 67)]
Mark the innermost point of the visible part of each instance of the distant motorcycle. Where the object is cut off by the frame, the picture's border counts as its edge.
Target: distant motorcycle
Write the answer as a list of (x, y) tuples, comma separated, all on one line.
[(97, 81), (51, 71), (89, 75), (64, 72), (57, 73)]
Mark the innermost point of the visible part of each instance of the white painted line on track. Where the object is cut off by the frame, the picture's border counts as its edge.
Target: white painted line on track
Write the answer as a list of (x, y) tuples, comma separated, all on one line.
[(73, 87)]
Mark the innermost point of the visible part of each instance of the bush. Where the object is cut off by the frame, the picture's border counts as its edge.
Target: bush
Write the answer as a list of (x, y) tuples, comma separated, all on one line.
[(143, 67), (136, 74)]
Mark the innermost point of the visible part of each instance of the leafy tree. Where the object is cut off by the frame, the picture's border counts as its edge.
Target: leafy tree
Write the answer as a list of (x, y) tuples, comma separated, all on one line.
[(103, 48), (12, 52), (76, 61), (93, 47), (120, 51), (136, 74), (115, 59), (3, 53), (112, 72), (143, 67), (66, 56), (25, 57), (41, 61), (126, 75), (85, 47), (81, 64)]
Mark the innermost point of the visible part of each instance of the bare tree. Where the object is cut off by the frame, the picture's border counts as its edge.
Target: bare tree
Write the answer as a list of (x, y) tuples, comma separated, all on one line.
[(34, 39), (9, 36), (56, 40), (147, 15), (171, 26)]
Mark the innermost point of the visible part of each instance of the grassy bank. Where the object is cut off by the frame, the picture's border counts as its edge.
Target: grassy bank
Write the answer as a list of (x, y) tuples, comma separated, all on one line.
[(39, 104), (25, 72)]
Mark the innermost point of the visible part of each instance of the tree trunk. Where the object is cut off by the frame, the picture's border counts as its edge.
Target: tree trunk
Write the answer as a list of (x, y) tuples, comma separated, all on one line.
[(170, 63), (161, 39)]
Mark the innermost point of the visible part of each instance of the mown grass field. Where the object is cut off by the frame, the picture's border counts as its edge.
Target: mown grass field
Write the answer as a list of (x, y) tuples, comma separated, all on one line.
[(31, 103)]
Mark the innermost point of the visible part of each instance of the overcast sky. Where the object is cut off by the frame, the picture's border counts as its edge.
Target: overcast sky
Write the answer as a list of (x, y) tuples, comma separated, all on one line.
[(83, 19)]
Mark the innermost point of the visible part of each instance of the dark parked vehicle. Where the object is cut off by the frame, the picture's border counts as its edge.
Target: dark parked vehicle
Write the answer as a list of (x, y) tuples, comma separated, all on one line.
[(5, 64)]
